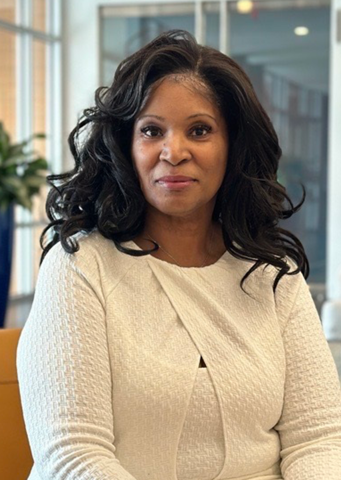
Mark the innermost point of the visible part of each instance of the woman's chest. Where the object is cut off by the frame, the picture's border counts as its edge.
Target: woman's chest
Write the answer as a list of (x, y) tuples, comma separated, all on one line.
[(160, 328)]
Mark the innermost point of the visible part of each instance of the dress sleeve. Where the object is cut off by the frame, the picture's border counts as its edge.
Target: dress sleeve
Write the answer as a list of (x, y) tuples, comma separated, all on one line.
[(64, 373), (310, 424)]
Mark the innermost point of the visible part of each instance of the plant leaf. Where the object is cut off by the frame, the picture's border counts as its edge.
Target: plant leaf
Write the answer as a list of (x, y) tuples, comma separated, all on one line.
[(4, 142), (12, 182), (17, 159), (20, 170), (34, 181), (37, 164), (21, 146)]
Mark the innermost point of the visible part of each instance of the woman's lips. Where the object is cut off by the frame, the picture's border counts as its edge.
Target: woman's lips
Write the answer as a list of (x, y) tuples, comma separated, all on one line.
[(175, 182)]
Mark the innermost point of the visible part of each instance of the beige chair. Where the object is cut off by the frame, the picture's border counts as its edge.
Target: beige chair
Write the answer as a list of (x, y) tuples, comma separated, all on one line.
[(15, 454)]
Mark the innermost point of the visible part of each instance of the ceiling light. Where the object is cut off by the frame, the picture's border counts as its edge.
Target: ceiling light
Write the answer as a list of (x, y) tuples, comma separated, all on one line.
[(244, 6), (301, 31)]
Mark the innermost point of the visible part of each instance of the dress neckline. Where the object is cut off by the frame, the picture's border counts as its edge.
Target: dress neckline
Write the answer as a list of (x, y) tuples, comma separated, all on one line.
[(173, 265)]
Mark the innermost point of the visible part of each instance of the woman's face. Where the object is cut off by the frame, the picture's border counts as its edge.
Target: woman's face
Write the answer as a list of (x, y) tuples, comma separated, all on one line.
[(180, 149)]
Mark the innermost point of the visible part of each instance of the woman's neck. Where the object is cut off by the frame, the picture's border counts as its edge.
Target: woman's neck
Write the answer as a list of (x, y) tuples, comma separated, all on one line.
[(182, 242)]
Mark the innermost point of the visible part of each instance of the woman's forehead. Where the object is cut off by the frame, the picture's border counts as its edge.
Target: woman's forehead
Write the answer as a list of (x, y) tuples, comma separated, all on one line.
[(192, 83)]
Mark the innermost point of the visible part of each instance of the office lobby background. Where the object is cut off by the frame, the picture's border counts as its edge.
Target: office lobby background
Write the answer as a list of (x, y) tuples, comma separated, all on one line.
[(55, 53)]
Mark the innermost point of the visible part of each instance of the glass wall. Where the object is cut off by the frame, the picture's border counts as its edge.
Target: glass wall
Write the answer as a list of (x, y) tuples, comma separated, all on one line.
[(125, 30), (290, 72)]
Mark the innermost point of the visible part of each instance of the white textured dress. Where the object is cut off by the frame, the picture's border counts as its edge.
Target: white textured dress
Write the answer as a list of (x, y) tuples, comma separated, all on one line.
[(111, 388), (202, 437)]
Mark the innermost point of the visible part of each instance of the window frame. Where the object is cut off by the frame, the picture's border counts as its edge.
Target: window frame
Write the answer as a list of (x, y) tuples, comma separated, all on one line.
[(23, 264)]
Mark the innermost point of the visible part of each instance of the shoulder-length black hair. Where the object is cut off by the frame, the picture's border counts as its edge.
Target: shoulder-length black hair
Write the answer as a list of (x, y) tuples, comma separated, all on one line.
[(102, 191)]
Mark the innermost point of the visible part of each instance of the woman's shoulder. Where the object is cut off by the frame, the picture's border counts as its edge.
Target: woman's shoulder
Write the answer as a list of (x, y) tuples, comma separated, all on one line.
[(262, 280), (292, 289), (95, 256), (265, 273), (89, 245)]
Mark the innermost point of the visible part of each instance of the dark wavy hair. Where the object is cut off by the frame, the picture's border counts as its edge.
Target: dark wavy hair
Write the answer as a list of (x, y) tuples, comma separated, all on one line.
[(102, 191)]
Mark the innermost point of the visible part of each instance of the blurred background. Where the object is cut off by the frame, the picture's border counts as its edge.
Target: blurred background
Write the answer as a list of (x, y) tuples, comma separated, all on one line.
[(55, 53)]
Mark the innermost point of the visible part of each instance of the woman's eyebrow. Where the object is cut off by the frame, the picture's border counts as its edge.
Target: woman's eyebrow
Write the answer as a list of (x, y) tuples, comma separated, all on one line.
[(201, 115), (151, 115), (162, 119)]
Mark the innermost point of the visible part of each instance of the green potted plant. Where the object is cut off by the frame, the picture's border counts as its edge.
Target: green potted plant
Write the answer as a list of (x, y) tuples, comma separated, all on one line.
[(21, 177)]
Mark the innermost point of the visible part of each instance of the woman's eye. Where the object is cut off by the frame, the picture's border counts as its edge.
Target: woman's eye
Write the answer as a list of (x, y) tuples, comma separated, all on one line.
[(201, 130), (151, 131)]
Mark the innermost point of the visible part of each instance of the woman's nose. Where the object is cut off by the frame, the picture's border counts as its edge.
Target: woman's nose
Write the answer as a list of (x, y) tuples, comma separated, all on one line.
[(175, 150)]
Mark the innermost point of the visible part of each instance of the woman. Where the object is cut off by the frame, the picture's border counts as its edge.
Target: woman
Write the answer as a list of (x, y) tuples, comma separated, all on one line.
[(172, 334)]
